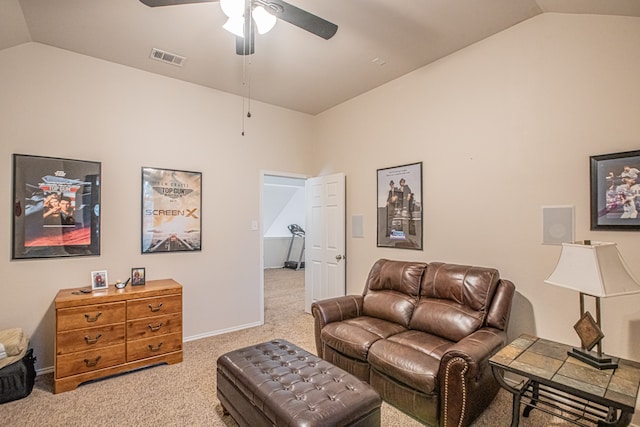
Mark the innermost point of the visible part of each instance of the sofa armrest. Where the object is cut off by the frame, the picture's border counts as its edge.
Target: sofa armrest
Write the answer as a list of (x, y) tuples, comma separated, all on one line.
[(476, 349), (334, 310), (465, 377)]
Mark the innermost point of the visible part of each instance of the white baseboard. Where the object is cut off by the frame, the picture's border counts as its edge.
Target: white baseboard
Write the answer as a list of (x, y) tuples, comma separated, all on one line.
[(222, 331)]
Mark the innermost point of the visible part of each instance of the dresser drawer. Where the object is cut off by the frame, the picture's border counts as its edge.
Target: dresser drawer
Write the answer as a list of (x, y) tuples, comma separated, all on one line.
[(87, 361), (156, 306), (154, 346), (154, 326), (90, 316), (89, 338)]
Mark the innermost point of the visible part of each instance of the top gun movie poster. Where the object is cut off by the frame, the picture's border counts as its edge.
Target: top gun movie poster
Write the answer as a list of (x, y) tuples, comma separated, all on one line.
[(56, 207), (171, 210)]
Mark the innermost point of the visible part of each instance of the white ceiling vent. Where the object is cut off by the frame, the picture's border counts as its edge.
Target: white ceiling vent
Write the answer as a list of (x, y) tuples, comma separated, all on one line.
[(169, 58)]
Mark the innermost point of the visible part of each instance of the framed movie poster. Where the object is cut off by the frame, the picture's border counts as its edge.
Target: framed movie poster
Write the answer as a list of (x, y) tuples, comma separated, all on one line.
[(615, 191), (171, 210), (56, 207), (400, 207)]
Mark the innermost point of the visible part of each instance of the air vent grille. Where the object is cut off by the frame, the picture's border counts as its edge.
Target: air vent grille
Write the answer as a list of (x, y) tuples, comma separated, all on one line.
[(169, 58)]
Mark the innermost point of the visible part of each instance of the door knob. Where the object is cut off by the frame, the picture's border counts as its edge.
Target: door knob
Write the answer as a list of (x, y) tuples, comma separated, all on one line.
[(338, 257)]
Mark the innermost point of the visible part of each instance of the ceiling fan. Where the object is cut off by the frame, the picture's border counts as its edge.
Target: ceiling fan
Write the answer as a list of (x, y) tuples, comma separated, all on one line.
[(277, 8)]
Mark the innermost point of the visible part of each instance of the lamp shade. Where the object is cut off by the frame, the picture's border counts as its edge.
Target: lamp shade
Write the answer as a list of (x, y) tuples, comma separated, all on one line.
[(595, 269)]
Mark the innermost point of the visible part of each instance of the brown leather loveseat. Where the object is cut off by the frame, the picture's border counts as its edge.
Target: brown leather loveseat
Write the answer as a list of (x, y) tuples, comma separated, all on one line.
[(422, 335)]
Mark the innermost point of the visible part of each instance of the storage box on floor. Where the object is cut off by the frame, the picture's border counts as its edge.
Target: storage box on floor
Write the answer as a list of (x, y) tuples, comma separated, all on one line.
[(17, 371)]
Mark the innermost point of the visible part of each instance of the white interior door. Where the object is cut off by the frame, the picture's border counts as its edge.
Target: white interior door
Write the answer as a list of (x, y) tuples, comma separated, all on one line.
[(325, 238)]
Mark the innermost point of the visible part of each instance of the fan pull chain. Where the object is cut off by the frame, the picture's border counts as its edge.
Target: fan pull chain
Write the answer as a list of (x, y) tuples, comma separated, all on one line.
[(246, 67)]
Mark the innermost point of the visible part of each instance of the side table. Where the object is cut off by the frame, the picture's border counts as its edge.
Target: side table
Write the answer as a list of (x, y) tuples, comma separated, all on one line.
[(564, 386)]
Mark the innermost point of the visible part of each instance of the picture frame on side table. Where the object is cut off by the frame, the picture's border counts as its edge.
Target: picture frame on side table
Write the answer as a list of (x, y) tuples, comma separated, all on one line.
[(99, 280), (56, 207), (615, 191), (399, 195), (138, 276), (171, 210)]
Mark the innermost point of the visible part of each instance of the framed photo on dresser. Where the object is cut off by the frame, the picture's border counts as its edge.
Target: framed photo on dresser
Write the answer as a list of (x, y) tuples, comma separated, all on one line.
[(99, 280)]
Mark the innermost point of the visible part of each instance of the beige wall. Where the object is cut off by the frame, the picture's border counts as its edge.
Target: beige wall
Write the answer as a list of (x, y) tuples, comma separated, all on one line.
[(502, 128), (57, 103)]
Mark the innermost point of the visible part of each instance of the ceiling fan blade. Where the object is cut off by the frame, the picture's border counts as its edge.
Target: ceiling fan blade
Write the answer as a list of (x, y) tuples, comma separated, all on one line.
[(301, 18), (156, 3)]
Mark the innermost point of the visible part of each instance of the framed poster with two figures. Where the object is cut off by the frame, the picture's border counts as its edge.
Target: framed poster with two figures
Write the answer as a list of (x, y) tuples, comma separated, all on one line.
[(400, 206), (56, 207)]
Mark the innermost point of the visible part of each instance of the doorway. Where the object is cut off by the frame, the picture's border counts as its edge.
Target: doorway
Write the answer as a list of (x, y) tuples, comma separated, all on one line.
[(282, 204)]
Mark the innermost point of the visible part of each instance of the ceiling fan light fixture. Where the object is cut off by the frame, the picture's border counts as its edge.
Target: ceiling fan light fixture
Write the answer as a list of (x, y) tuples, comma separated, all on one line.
[(263, 19), (235, 26), (233, 8)]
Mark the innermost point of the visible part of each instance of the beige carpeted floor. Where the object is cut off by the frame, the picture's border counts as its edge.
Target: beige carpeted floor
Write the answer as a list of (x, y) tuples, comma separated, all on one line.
[(184, 394)]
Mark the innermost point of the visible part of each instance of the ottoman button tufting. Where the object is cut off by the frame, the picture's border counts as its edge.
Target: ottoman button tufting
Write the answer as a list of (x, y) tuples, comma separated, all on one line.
[(254, 400)]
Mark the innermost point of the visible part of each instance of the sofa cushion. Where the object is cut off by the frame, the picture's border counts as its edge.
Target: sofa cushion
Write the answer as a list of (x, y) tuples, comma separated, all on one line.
[(400, 276), (354, 337), (410, 357), (392, 290), (454, 299)]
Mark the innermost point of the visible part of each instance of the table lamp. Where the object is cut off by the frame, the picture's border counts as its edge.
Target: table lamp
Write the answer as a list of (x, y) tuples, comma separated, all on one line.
[(598, 270)]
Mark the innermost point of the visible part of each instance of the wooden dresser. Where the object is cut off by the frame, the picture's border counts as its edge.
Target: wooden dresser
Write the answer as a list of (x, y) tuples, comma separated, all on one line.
[(111, 331)]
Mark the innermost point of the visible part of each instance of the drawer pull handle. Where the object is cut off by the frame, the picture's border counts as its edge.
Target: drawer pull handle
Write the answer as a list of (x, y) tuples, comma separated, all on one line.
[(92, 319), (92, 363), (92, 340), (152, 348), (154, 309), (155, 328)]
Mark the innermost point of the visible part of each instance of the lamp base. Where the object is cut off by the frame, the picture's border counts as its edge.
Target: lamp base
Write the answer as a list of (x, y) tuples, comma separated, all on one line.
[(592, 358)]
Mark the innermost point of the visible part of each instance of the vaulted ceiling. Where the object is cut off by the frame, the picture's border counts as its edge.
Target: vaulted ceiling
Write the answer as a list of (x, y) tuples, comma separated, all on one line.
[(377, 40)]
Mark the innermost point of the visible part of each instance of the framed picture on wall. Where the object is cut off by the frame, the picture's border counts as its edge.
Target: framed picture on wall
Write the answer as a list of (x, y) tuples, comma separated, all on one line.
[(615, 191), (400, 206), (171, 210), (56, 207)]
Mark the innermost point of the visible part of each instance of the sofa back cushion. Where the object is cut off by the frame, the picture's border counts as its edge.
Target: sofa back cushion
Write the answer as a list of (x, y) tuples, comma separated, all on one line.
[(454, 299), (392, 290)]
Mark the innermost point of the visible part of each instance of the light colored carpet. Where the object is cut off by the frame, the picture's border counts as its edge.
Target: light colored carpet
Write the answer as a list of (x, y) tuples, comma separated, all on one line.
[(184, 394)]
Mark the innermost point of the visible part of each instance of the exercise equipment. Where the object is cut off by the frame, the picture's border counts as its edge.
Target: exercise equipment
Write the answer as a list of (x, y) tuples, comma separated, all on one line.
[(296, 232)]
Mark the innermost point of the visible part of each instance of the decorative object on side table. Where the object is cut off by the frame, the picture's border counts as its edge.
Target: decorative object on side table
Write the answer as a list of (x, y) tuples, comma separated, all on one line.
[(598, 270)]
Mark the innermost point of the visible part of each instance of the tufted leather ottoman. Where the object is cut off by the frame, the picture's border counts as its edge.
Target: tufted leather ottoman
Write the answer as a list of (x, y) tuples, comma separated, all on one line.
[(279, 384)]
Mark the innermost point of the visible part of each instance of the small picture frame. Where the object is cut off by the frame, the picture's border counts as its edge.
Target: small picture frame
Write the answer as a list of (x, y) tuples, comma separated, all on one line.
[(99, 280), (137, 276)]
